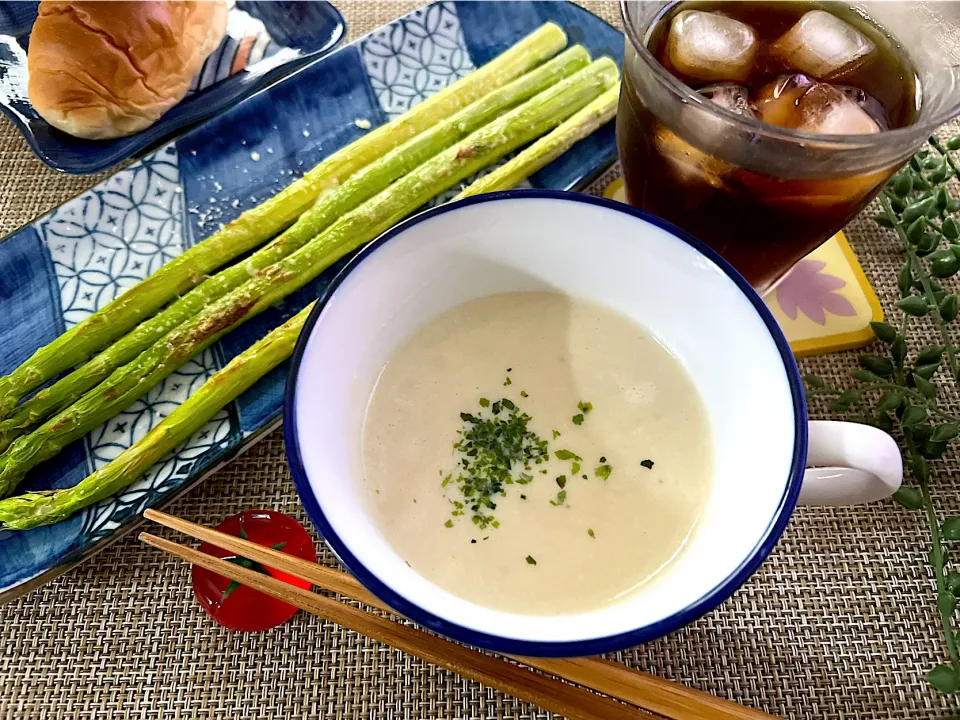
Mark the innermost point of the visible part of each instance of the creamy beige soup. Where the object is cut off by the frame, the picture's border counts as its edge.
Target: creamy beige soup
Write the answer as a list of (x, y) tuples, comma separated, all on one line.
[(564, 535)]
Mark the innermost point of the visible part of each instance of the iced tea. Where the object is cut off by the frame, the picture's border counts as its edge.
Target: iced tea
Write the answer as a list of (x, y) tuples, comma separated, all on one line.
[(747, 169)]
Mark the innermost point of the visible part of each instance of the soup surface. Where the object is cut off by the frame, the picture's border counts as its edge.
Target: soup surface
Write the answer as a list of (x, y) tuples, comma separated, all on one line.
[(535, 453)]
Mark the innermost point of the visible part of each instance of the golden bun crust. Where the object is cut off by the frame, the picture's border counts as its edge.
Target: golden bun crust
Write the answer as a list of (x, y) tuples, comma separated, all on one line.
[(107, 69)]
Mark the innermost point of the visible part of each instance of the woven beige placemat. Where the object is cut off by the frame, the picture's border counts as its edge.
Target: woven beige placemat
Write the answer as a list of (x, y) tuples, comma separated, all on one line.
[(838, 623)]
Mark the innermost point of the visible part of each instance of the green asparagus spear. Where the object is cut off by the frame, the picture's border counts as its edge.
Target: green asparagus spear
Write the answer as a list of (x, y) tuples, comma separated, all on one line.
[(483, 147), (258, 224), (549, 147), (361, 186), (42, 508)]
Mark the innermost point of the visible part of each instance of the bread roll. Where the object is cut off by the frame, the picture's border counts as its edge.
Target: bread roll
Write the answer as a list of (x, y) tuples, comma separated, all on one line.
[(108, 69)]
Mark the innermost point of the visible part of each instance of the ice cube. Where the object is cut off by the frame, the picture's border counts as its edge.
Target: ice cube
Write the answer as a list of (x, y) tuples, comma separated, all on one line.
[(711, 130), (687, 162), (795, 101), (706, 47), (825, 109), (869, 104), (733, 97), (822, 45), (776, 102)]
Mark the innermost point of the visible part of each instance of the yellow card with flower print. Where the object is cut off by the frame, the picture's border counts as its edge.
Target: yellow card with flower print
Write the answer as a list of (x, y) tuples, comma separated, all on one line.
[(824, 303)]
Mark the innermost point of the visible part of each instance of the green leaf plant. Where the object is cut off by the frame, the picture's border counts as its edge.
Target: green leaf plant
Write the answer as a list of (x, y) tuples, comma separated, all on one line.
[(898, 389)]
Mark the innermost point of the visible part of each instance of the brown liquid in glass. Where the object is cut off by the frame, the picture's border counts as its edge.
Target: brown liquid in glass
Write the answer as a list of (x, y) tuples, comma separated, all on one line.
[(760, 223)]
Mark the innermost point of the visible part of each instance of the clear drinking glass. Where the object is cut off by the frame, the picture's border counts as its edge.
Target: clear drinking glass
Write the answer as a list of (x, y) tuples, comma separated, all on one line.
[(783, 192)]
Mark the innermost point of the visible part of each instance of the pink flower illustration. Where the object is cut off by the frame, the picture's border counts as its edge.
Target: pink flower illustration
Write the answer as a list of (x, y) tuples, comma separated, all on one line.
[(807, 289)]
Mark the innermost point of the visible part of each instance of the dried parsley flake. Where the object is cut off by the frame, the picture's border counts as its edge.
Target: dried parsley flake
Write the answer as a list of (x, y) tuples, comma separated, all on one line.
[(490, 448)]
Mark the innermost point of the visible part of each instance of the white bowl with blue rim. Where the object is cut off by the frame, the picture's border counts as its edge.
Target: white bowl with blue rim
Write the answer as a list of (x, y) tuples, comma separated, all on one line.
[(666, 280)]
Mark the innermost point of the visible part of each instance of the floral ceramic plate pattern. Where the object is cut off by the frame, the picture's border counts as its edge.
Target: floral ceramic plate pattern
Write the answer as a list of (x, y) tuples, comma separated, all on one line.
[(70, 263)]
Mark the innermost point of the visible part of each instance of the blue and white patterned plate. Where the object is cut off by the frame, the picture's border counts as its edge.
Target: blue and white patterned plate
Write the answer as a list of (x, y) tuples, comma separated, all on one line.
[(68, 264), (265, 41)]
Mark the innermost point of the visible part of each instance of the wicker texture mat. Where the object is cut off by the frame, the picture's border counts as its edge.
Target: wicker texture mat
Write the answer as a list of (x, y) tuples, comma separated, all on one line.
[(838, 623)]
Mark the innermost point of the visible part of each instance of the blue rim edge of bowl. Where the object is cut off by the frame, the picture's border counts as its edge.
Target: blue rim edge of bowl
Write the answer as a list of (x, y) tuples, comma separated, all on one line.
[(220, 97), (577, 648)]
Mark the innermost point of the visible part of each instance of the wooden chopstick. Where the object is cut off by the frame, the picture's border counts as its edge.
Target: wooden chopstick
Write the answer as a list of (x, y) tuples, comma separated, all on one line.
[(328, 578), (645, 691), (549, 693), (664, 697)]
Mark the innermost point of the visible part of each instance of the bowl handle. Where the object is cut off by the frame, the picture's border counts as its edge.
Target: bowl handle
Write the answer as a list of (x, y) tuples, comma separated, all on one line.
[(849, 463)]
